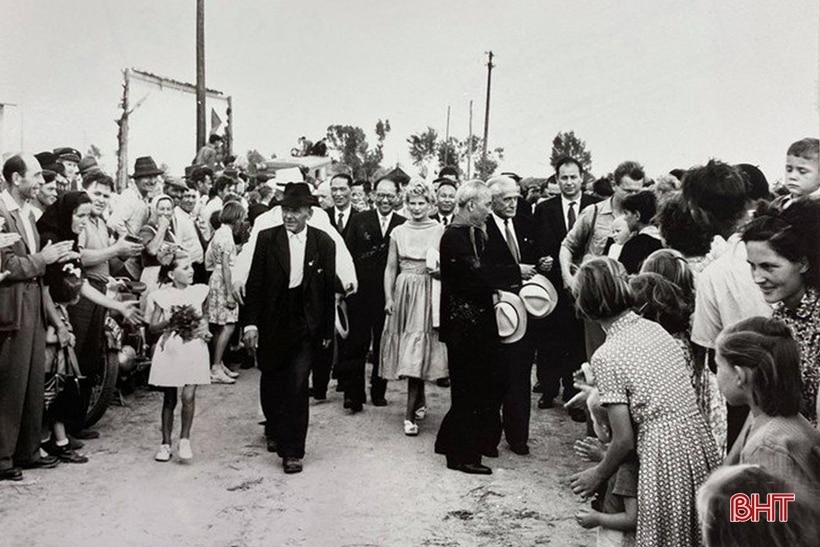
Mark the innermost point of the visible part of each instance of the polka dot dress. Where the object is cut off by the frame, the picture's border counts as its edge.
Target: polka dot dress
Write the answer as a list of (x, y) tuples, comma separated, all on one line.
[(642, 366)]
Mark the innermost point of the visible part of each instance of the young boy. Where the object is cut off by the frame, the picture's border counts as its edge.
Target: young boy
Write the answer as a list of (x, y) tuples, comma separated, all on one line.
[(617, 523), (802, 170)]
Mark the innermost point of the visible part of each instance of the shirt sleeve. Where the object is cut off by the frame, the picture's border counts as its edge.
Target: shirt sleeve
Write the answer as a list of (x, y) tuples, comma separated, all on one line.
[(611, 380), (706, 323), (576, 238), (626, 479)]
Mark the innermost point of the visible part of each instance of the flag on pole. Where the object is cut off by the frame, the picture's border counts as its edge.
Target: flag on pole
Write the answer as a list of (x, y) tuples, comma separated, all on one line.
[(216, 123)]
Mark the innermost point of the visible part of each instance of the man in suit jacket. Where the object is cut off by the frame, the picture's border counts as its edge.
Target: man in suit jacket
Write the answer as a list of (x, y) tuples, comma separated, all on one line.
[(445, 200), (23, 321), (341, 192), (368, 242), (560, 345), (290, 302), (512, 247)]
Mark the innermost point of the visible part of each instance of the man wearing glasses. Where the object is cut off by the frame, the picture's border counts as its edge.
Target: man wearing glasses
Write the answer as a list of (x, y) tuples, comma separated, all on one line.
[(367, 239)]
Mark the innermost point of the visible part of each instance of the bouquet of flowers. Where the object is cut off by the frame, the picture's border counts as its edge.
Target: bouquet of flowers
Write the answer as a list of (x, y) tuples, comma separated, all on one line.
[(185, 322)]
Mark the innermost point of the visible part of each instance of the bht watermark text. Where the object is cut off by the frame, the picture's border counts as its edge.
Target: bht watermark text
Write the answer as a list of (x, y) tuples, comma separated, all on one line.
[(743, 508)]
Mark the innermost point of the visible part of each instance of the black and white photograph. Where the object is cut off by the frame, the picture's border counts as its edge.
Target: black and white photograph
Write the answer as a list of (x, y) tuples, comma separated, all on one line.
[(365, 273)]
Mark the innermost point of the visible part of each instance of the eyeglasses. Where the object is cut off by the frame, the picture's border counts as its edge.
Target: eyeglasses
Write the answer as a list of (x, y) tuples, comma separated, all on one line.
[(385, 196)]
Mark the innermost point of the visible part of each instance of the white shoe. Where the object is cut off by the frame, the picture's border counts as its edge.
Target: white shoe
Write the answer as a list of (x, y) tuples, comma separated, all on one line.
[(164, 453), (185, 453), (410, 429), (228, 372), (219, 377), (421, 413)]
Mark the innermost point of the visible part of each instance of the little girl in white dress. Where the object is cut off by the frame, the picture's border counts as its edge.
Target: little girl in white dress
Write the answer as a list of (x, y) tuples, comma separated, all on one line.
[(178, 363)]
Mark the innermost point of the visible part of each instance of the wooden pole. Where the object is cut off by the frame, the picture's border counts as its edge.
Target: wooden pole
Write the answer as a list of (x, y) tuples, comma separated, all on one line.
[(490, 66), (229, 128), (447, 139), (122, 134), (470, 145), (200, 75)]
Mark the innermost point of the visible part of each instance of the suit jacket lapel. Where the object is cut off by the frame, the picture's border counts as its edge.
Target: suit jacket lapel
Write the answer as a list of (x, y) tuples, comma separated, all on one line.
[(281, 250), (18, 227), (310, 256)]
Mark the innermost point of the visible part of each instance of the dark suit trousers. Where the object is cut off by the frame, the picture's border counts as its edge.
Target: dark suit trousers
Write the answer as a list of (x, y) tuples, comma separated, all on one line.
[(560, 349), (516, 390), (283, 385), (366, 325), (22, 377), (322, 364), (472, 425)]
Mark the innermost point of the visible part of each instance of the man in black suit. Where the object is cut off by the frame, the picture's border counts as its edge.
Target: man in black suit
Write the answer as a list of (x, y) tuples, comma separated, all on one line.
[(290, 299), (561, 341), (445, 200), (367, 240), (511, 247), (341, 189)]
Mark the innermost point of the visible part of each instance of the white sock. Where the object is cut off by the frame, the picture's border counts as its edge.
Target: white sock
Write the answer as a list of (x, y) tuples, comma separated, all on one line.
[(64, 442)]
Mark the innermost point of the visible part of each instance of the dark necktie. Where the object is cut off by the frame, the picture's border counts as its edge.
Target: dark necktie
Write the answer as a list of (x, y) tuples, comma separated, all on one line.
[(340, 223), (571, 215), (511, 241), (444, 220)]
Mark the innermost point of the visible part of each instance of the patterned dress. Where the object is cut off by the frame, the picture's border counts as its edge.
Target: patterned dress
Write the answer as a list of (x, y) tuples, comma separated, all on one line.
[(642, 366), (410, 347), (221, 249), (804, 322)]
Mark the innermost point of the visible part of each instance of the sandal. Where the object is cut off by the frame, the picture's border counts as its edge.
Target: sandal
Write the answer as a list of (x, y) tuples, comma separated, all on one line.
[(421, 412), (410, 429), (228, 372)]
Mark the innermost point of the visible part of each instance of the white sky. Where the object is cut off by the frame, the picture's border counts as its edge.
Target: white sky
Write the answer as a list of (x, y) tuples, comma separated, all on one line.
[(668, 83)]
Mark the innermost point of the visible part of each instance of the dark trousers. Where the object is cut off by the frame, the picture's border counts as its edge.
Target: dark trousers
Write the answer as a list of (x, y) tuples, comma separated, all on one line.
[(366, 325), (87, 321), (283, 385), (472, 425), (322, 363), (560, 349), (22, 381), (515, 397)]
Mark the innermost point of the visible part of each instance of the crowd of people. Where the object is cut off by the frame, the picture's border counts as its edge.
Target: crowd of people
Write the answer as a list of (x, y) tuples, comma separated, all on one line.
[(678, 318)]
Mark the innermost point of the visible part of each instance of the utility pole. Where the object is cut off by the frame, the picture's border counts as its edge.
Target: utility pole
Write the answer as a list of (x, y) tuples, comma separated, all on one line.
[(200, 75), (447, 139), (470, 145), (490, 66)]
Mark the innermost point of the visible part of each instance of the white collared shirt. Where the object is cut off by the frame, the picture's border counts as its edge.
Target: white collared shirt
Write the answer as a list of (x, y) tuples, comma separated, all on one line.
[(503, 229), (296, 247), (345, 217), (28, 219), (384, 221), (185, 231), (445, 220), (565, 208)]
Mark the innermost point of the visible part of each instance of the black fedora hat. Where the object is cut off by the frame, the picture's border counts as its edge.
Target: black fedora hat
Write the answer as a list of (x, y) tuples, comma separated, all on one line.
[(297, 194), (146, 167)]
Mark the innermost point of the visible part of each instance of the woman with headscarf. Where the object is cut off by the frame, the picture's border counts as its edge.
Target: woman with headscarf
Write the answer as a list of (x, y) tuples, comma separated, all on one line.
[(64, 220), (159, 240)]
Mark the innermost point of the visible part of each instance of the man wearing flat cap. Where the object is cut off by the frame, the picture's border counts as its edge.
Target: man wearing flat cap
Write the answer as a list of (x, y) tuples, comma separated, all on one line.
[(69, 158), (290, 314)]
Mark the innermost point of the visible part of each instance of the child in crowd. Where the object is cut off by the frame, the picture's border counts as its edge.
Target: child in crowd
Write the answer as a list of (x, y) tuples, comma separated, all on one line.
[(180, 358), (223, 312), (802, 171), (714, 508), (619, 518), (758, 364), (639, 211), (62, 369), (619, 234)]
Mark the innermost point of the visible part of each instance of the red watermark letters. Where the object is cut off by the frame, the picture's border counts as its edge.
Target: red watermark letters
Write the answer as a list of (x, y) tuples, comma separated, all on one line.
[(743, 508)]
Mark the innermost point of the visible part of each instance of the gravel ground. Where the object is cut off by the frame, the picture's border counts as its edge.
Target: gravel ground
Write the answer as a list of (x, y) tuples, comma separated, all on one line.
[(364, 483)]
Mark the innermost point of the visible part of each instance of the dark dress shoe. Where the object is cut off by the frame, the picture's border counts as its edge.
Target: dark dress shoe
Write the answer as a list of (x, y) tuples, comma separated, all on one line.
[(443, 382), (537, 388), (378, 401), (490, 452), (470, 468), (520, 449), (86, 434), (44, 462), (545, 402), (355, 407), (318, 395), (577, 415), (74, 443), (13, 474), (65, 454), (292, 465), (271, 444)]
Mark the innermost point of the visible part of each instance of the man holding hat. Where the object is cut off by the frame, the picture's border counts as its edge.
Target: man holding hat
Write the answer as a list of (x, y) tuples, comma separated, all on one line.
[(290, 314), (513, 252)]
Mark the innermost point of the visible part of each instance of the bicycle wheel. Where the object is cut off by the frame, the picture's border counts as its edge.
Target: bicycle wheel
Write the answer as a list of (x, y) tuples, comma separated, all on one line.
[(103, 383)]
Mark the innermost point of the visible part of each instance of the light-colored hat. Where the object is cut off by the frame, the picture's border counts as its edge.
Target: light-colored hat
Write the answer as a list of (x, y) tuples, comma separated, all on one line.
[(539, 296), (342, 323), (511, 317)]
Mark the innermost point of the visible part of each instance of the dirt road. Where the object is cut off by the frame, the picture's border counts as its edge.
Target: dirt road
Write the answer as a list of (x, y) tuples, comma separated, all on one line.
[(364, 483)]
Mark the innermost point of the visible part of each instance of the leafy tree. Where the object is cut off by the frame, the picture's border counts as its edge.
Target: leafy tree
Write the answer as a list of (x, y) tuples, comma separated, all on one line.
[(423, 148), (567, 144), (94, 151), (351, 144), (449, 153)]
